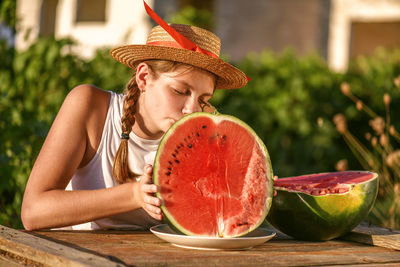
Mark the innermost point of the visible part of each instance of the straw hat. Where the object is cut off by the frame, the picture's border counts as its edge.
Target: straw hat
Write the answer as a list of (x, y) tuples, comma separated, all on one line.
[(161, 45)]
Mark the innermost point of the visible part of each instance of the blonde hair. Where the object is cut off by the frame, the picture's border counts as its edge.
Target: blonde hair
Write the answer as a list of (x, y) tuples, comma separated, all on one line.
[(121, 170)]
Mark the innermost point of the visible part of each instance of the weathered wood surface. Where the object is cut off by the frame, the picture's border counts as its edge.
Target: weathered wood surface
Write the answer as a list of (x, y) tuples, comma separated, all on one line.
[(129, 248), (373, 235), (19, 248)]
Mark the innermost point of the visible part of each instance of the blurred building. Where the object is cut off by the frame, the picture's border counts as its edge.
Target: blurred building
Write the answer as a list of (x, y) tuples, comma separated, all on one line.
[(336, 29), (92, 23)]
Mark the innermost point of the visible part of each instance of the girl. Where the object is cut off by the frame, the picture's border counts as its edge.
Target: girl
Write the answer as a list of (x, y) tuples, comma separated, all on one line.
[(94, 169)]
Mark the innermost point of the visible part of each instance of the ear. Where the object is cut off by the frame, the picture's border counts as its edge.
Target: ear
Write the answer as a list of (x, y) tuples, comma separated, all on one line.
[(142, 76)]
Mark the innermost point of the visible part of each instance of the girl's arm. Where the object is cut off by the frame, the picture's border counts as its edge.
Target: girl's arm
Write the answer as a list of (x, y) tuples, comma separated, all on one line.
[(71, 143)]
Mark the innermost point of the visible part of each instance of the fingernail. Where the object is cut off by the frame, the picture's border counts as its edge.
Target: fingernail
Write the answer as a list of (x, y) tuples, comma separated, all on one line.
[(148, 168)]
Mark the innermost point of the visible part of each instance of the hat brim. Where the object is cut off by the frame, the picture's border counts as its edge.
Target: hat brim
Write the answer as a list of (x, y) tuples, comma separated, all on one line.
[(229, 77)]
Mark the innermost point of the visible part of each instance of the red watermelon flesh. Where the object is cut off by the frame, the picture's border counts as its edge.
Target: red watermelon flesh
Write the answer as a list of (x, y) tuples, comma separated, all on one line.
[(324, 183), (214, 176)]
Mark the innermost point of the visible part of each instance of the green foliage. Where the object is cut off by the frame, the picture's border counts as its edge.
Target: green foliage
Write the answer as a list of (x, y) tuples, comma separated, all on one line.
[(289, 101), (370, 78), (8, 12), (33, 85), (193, 16)]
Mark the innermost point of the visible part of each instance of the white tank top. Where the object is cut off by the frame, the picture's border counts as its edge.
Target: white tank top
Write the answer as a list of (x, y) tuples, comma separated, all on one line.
[(97, 173)]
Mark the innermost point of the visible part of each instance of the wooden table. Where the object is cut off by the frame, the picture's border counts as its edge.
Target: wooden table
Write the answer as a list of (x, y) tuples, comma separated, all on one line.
[(366, 246)]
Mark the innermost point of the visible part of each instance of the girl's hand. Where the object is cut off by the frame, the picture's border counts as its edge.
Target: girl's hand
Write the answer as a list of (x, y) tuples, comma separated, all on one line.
[(147, 189)]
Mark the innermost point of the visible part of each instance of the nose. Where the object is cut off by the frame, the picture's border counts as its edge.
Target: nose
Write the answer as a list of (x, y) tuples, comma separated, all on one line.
[(191, 105)]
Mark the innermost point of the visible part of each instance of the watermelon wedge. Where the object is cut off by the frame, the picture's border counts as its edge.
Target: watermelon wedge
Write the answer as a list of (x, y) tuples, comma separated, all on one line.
[(215, 176), (322, 206)]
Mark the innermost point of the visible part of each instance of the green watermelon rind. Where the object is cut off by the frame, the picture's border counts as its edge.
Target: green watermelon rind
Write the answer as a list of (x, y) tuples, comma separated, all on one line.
[(167, 216), (300, 214)]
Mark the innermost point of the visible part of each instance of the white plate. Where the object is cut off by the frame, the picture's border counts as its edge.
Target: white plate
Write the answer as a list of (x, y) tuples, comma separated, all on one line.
[(248, 241)]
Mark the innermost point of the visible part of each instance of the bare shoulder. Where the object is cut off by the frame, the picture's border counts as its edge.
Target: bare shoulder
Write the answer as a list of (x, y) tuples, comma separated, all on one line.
[(88, 97), (87, 105), (90, 105), (72, 140)]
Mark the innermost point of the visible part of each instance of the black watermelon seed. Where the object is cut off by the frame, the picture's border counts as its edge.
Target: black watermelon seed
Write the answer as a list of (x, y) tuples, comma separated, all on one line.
[(190, 145), (168, 173), (204, 126), (170, 162), (177, 161), (169, 168), (224, 137), (198, 135), (173, 155)]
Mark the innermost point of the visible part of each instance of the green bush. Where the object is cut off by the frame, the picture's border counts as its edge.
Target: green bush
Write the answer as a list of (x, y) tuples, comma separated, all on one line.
[(290, 101), (33, 85)]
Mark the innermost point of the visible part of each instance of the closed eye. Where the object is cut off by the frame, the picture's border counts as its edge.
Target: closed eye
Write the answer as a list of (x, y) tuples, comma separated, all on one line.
[(181, 92)]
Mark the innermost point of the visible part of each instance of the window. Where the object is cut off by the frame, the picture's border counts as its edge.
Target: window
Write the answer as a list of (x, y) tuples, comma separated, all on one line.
[(91, 11), (48, 17), (367, 36)]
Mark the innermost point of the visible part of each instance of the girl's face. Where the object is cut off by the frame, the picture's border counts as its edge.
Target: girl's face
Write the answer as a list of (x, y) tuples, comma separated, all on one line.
[(167, 97)]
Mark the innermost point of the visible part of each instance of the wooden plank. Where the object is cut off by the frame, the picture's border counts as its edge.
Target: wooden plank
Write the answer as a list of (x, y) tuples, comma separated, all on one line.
[(25, 249), (374, 235), (4, 261), (145, 249), (368, 265)]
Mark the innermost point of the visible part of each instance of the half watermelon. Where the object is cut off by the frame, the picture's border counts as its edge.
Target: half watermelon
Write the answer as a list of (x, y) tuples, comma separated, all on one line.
[(215, 176), (322, 206)]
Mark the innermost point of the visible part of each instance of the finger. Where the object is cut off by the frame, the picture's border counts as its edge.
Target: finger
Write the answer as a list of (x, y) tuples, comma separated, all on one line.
[(275, 177), (158, 217), (275, 192), (148, 170), (152, 209), (145, 179), (149, 188), (155, 215), (152, 200)]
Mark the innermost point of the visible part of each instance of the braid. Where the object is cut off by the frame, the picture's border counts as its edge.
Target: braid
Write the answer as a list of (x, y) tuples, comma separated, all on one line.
[(121, 170)]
